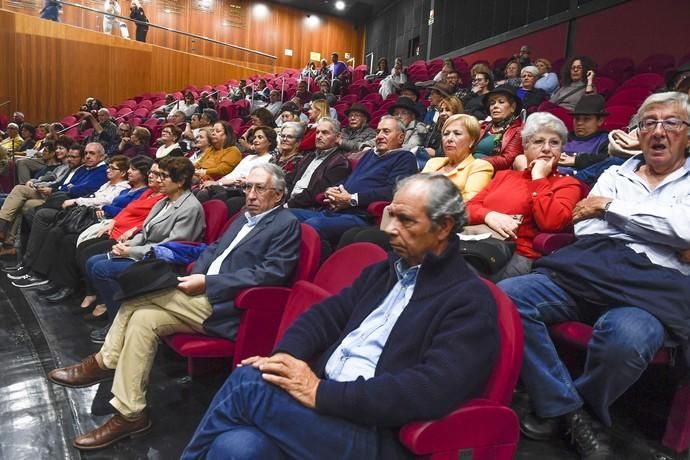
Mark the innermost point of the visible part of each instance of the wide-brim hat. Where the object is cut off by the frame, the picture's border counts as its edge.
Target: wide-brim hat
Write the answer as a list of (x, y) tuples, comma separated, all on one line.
[(357, 107), (507, 90), (144, 277), (410, 87), (590, 104), (404, 103), (443, 88)]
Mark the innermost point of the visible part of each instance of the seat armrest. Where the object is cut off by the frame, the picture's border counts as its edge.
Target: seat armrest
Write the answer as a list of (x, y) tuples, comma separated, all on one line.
[(262, 297), (546, 243)]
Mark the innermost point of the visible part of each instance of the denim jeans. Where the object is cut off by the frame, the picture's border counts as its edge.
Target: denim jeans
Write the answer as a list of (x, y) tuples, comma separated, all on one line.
[(251, 419), (330, 225), (102, 272), (624, 341)]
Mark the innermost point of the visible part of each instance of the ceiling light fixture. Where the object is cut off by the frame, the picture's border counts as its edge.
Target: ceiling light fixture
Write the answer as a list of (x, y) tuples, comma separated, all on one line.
[(340, 5)]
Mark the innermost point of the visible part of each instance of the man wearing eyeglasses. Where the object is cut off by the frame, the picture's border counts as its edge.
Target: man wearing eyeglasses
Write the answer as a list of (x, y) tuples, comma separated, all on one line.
[(627, 275), (259, 248)]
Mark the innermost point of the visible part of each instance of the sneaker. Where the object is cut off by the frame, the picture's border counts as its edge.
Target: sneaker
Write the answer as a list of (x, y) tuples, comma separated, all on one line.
[(30, 281), (11, 268), (590, 442), (18, 274)]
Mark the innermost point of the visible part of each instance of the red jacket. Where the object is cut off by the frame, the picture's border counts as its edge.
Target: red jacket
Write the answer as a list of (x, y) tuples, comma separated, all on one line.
[(511, 146), (545, 204), (135, 213)]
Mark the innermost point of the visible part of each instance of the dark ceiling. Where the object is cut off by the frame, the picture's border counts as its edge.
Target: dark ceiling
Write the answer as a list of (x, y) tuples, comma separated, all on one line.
[(357, 11)]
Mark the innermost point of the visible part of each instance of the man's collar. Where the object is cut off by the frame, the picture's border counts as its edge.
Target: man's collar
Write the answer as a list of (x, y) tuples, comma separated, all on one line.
[(406, 275), (323, 153), (253, 220), (102, 163)]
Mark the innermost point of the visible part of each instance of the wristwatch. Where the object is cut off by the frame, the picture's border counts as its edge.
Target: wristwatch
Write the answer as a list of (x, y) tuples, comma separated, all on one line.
[(606, 208), (353, 200)]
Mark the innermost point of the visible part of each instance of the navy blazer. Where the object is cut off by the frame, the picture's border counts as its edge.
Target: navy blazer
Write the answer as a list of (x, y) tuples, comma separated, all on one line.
[(266, 256)]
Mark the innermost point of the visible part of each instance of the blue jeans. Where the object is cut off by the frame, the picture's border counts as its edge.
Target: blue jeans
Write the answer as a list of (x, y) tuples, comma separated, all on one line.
[(330, 225), (102, 272), (250, 419), (624, 341)]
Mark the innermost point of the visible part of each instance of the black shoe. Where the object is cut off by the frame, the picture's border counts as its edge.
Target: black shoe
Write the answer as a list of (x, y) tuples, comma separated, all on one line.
[(540, 429), (30, 281), (19, 273), (98, 335), (60, 295), (48, 289), (101, 401), (12, 268), (590, 442)]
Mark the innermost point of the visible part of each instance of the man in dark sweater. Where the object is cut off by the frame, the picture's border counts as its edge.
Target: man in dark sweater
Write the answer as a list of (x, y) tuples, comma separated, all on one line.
[(345, 205), (413, 338)]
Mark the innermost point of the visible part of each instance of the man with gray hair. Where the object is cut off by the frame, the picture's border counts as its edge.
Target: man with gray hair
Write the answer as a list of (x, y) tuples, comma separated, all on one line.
[(627, 274), (345, 204), (319, 169), (104, 130), (259, 248), (344, 372)]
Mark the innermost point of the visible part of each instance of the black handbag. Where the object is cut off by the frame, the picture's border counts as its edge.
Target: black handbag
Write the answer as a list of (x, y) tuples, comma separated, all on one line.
[(76, 219), (488, 255)]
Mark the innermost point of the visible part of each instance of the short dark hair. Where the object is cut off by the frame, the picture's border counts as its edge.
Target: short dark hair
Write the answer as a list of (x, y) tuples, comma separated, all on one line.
[(121, 162), (65, 141), (270, 134), (29, 127), (180, 170), (77, 147), (265, 115), (210, 114), (142, 163)]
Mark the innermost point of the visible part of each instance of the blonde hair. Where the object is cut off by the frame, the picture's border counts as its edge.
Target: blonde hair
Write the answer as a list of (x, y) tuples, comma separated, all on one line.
[(321, 108), (469, 123), (453, 103)]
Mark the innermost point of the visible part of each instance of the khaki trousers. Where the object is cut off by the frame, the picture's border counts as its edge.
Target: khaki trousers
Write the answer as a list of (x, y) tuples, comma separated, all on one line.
[(131, 344), (20, 199)]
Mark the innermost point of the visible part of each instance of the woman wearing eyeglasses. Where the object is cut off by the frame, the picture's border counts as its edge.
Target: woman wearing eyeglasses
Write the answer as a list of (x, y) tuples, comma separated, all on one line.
[(577, 79), (473, 102), (287, 155), (170, 135), (517, 205)]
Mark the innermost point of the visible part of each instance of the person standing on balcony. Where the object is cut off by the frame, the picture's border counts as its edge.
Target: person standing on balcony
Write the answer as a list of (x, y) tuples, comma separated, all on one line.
[(136, 12), (112, 7)]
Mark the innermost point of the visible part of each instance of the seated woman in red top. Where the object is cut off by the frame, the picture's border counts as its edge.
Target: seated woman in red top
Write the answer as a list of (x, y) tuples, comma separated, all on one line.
[(499, 140), (517, 205)]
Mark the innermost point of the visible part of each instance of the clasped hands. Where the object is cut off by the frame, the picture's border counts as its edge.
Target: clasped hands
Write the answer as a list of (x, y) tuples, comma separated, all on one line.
[(337, 198), (289, 373)]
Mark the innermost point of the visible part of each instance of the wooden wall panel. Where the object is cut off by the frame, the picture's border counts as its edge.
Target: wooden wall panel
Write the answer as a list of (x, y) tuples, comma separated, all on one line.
[(232, 21), (48, 69)]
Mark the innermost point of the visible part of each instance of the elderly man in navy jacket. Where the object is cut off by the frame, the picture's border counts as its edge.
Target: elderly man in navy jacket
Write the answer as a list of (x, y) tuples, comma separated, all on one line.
[(372, 180), (413, 338), (259, 248)]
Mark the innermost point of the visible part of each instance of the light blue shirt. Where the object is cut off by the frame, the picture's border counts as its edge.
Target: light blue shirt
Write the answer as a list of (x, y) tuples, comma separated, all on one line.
[(359, 352), (652, 222)]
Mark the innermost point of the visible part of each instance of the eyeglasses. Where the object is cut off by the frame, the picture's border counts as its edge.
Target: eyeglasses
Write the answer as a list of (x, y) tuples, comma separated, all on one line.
[(477, 80), (164, 175), (576, 67), (553, 143), (260, 189), (154, 174), (670, 124), (288, 136), (115, 168)]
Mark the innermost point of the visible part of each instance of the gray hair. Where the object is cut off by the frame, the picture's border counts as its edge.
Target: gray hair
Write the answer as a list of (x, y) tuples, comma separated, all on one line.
[(531, 69), (398, 122), (99, 148), (680, 100), (543, 121), (277, 175), (443, 198), (334, 123), (297, 126)]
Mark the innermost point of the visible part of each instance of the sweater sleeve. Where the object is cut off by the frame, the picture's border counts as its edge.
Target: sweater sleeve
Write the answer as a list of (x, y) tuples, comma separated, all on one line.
[(405, 165), (89, 183), (553, 203), (227, 162)]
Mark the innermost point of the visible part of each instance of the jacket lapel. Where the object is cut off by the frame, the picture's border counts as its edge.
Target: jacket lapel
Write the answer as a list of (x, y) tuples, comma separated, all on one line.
[(256, 230)]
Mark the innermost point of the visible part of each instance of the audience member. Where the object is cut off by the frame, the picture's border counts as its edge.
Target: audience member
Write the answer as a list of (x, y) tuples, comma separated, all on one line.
[(473, 102), (500, 140), (627, 275), (274, 102), (318, 109), (460, 134), (287, 155), (577, 79), (517, 205), (512, 75), (587, 145), (104, 130), (530, 96), (164, 110), (10, 145), (309, 71), (340, 76), (302, 93), (221, 157), (324, 72), (523, 57), (447, 107), (411, 91), (392, 82), (238, 93), (208, 102), (345, 205), (381, 70), (416, 132), (548, 81), (201, 144), (438, 92), (321, 168), (141, 22), (52, 9), (112, 8), (169, 146), (188, 105), (325, 90), (357, 135), (136, 143), (345, 369), (202, 302)]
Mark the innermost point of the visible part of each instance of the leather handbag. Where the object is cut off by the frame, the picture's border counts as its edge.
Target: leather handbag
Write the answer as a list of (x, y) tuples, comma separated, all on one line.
[(488, 255), (76, 219)]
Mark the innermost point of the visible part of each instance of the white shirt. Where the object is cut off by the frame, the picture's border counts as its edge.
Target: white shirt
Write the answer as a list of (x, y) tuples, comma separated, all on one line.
[(252, 221), (243, 167), (303, 181)]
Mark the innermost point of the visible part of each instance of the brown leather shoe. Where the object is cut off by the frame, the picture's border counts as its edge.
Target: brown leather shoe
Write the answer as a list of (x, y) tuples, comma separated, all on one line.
[(113, 430), (83, 374)]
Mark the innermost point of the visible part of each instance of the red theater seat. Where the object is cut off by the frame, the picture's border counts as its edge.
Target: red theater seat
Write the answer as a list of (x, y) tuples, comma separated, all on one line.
[(650, 81), (485, 428)]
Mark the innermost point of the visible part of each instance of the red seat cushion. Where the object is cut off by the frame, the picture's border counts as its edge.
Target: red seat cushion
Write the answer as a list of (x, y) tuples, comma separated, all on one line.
[(200, 346)]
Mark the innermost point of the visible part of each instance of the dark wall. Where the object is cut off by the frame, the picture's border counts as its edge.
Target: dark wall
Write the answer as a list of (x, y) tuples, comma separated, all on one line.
[(390, 32)]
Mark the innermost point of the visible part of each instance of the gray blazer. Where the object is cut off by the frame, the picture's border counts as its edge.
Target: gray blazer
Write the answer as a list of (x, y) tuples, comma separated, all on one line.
[(184, 221)]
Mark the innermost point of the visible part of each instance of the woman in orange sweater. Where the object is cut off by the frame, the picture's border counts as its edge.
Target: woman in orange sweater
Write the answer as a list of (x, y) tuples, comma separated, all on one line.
[(221, 157)]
